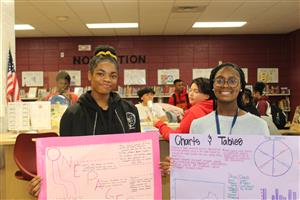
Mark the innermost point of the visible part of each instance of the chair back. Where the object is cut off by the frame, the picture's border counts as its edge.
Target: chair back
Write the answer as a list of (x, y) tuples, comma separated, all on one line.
[(25, 154)]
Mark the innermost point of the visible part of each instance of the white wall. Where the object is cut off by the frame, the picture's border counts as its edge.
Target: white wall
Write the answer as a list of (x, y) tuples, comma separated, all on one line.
[(7, 40)]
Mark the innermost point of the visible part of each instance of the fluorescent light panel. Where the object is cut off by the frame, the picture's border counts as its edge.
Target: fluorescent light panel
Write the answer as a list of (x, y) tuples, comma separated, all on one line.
[(23, 27), (113, 25), (218, 24)]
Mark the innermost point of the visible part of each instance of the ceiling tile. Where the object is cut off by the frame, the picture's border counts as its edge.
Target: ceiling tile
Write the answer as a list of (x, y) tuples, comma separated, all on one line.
[(155, 17)]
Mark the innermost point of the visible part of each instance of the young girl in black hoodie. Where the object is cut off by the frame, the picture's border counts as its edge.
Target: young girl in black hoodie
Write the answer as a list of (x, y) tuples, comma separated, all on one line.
[(99, 111)]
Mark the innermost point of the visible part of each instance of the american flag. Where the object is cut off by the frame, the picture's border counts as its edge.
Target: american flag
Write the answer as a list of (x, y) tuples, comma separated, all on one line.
[(12, 86)]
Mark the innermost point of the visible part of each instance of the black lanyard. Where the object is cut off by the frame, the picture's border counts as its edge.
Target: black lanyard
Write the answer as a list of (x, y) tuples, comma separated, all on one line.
[(218, 122)]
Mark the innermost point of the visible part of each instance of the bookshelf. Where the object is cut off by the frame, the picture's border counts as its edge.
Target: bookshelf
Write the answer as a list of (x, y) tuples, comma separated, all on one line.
[(162, 92), (279, 95)]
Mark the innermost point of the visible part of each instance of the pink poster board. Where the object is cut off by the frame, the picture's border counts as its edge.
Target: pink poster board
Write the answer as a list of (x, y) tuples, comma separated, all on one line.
[(118, 166)]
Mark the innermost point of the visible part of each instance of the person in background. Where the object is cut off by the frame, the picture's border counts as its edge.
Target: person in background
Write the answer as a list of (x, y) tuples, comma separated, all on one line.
[(202, 104), (147, 109), (250, 107), (63, 81), (249, 103), (262, 101), (180, 97), (272, 127), (227, 82), (99, 111)]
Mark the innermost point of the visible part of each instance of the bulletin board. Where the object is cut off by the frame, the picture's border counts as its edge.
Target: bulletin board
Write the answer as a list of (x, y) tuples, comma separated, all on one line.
[(167, 76), (134, 76)]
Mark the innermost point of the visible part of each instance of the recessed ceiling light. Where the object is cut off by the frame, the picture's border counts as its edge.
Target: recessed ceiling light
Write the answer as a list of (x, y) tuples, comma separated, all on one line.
[(218, 24), (23, 27), (113, 25)]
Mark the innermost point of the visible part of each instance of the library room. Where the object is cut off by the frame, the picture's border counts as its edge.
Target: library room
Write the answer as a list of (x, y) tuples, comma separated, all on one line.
[(146, 99)]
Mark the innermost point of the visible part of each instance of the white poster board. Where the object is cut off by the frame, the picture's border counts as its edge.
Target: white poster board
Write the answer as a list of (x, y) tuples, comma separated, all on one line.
[(32, 78), (134, 77), (29, 115), (204, 73), (40, 115), (75, 77), (18, 117), (267, 75), (167, 76), (234, 167)]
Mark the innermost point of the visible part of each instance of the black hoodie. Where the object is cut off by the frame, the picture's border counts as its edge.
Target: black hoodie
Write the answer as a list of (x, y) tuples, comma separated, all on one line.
[(87, 118)]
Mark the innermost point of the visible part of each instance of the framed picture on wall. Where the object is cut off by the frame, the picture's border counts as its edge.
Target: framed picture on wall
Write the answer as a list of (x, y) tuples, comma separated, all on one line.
[(32, 78), (167, 76), (134, 77), (267, 75)]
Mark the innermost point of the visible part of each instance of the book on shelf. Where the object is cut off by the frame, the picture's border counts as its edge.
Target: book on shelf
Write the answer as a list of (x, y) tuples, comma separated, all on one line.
[(276, 90), (131, 91)]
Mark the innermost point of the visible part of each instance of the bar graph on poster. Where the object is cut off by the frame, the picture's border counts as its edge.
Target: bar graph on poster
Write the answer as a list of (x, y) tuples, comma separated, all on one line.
[(235, 167)]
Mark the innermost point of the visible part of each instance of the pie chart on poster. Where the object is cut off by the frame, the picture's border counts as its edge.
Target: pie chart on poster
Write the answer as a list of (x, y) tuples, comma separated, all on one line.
[(273, 158)]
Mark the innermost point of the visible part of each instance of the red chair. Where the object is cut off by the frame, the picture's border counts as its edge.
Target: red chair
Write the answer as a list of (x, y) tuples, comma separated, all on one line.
[(25, 154)]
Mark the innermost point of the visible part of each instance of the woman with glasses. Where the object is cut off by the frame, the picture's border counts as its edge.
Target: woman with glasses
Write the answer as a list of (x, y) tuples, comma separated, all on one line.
[(202, 104), (228, 84)]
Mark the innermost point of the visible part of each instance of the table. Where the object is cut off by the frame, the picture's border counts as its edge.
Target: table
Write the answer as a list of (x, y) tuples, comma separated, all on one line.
[(289, 132), (148, 126)]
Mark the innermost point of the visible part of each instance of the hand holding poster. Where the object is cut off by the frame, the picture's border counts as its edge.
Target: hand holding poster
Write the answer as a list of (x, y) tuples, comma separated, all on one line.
[(234, 167), (119, 166)]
